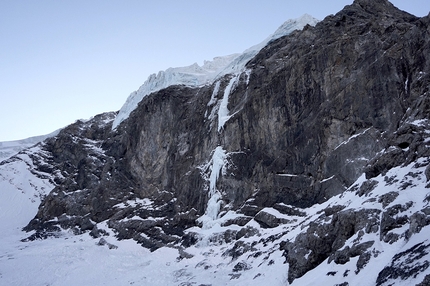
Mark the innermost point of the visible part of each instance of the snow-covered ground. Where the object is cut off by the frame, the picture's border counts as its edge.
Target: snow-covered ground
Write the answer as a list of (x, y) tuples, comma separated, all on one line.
[(69, 259), (410, 184)]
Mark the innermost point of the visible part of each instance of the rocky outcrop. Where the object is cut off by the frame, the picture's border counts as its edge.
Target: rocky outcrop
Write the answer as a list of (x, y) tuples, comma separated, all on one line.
[(405, 264), (325, 240), (309, 114)]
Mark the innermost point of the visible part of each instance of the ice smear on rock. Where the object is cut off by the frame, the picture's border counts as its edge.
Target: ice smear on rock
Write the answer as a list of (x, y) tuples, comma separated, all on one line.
[(223, 112), (215, 166)]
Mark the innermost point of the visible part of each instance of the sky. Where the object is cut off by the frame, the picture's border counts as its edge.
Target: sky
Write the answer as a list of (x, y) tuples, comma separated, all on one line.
[(61, 61)]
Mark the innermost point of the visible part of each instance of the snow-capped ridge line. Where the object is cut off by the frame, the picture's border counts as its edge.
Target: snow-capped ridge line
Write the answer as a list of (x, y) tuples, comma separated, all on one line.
[(9, 148), (195, 75)]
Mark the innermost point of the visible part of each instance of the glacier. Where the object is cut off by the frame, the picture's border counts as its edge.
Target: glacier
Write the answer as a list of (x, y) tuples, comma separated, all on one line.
[(195, 75)]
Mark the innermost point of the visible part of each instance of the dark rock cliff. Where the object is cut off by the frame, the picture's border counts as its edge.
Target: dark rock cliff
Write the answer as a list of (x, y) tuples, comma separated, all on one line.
[(309, 115)]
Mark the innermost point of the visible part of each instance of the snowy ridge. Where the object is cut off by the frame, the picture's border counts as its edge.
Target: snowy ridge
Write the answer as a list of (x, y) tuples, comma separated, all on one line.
[(237, 65), (195, 75), (9, 148)]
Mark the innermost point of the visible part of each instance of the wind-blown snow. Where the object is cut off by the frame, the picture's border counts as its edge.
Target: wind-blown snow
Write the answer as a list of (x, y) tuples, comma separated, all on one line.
[(196, 75)]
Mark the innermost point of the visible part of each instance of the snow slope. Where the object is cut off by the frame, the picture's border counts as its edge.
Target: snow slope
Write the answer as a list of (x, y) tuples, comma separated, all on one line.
[(195, 75), (9, 148), (225, 254), (215, 260)]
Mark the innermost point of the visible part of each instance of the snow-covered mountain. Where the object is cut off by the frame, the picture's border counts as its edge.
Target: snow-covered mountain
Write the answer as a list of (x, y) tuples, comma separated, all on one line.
[(195, 75), (308, 163)]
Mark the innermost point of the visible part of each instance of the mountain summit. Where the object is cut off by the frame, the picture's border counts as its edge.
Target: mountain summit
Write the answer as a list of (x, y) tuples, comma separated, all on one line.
[(308, 163)]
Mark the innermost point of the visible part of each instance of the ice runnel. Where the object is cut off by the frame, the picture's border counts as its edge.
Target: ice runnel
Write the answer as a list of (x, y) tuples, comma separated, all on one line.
[(223, 112)]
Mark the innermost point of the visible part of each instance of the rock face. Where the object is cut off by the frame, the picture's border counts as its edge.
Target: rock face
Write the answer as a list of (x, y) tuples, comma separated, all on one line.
[(309, 114)]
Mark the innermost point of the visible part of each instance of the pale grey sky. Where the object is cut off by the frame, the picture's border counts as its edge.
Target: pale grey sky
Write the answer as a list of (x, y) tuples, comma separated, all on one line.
[(67, 60)]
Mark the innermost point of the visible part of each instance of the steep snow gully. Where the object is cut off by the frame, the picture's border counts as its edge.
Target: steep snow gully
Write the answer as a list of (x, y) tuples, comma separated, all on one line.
[(304, 160)]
